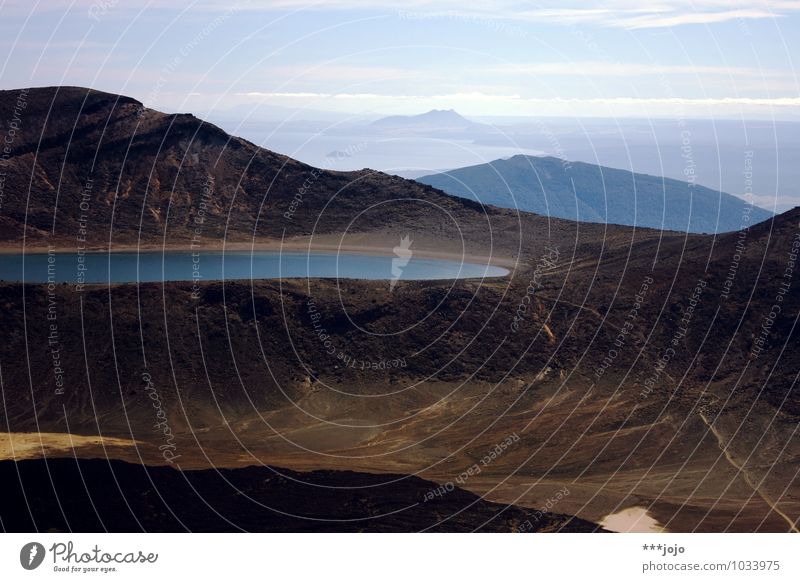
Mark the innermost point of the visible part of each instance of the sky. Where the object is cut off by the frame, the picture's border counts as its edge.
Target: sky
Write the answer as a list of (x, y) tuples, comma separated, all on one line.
[(665, 58)]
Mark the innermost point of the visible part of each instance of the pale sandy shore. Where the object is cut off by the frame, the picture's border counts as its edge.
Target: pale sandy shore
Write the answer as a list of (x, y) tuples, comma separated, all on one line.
[(17, 446)]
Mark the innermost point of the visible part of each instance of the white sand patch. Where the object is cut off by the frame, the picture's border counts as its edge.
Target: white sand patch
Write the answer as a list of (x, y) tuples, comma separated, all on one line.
[(632, 520)]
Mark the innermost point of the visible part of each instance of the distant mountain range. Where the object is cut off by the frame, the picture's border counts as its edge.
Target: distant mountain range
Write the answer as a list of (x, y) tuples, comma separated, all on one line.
[(439, 121), (593, 193)]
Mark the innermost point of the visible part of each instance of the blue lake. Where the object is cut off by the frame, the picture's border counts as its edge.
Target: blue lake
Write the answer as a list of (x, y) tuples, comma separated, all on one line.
[(130, 267)]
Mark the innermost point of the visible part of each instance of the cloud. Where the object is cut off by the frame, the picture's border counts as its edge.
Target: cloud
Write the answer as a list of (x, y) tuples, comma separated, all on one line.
[(477, 96), (711, 101), (680, 18), (343, 73), (632, 16), (628, 14), (508, 103), (449, 97), (619, 69)]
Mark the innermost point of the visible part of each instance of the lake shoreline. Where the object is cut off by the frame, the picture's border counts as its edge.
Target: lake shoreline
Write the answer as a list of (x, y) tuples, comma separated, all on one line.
[(269, 245), (210, 264)]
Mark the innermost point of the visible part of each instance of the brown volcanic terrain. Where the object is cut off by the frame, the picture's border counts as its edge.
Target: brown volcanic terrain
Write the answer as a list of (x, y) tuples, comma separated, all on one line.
[(643, 369), (102, 167)]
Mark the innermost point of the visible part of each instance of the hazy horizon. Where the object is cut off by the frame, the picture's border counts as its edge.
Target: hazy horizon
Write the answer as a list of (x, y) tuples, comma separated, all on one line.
[(504, 58)]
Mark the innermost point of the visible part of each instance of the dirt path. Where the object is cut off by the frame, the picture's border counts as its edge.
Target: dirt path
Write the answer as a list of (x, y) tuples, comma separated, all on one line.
[(724, 448)]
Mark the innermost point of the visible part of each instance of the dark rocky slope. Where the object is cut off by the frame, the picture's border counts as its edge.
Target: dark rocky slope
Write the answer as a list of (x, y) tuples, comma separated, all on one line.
[(94, 495)]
